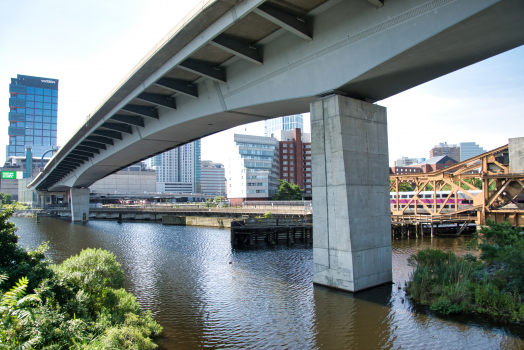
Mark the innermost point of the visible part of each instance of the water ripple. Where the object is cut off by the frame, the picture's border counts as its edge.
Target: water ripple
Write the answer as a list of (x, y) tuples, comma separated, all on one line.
[(208, 295)]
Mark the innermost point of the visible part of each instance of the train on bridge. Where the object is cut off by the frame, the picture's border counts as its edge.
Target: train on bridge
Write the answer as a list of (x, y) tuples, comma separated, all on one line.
[(427, 200)]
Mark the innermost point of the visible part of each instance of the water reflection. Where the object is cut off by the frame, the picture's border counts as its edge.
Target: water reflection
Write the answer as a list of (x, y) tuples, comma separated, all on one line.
[(207, 295)]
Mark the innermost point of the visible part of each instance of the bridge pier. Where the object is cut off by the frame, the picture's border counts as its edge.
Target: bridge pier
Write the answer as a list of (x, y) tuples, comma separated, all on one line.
[(79, 204), (352, 220)]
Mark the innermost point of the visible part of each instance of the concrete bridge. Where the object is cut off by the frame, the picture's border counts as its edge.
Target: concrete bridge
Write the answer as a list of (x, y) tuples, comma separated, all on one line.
[(231, 62)]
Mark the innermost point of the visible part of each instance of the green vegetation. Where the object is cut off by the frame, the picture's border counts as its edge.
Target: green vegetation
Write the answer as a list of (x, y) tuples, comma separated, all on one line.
[(491, 285), (213, 202), (402, 187), (288, 192), (15, 206), (267, 215), (6, 198), (79, 304)]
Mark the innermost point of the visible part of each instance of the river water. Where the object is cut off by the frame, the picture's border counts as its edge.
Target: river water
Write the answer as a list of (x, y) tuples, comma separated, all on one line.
[(207, 295)]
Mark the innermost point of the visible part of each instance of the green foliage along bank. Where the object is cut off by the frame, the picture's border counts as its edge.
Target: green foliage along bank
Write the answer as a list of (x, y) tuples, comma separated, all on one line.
[(78, 304), (491, 285), (288, 191)]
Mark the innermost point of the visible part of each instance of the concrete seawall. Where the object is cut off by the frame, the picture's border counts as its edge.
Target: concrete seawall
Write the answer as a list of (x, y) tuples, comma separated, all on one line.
[(197, 221)]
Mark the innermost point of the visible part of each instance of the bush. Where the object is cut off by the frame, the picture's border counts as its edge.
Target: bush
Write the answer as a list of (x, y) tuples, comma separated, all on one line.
[(77, 304), (16, 262), (492, 285)]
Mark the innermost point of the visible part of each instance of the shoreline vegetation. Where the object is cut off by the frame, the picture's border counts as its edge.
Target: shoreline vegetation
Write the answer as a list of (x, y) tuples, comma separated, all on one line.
[(78, 304), (491, 284)]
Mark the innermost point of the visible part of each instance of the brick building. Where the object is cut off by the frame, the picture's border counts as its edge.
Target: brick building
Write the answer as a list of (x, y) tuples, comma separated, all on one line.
[(443, 149), (432, 164), (436, 163), (295, 158)]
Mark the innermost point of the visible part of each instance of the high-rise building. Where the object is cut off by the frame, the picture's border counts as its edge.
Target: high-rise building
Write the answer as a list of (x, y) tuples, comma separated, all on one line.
[(213, 178), (469, 150), (289, 122), (443, 149), (295, 158), (33, 106), (178, 170), (254, 169)]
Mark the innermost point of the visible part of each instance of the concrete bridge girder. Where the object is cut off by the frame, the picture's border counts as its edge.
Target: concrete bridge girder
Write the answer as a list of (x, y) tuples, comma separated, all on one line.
[(345, 57), (356, 50)]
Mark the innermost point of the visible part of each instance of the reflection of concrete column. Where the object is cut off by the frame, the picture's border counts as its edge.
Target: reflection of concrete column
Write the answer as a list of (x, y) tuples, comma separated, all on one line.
[(79, 204), (352, 244)]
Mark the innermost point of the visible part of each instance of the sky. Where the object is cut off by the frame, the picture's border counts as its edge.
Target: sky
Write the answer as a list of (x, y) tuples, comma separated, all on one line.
[(91, 45)]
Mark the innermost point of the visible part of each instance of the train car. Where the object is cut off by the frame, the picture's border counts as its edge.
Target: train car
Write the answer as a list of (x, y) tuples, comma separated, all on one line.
[(464, 201)]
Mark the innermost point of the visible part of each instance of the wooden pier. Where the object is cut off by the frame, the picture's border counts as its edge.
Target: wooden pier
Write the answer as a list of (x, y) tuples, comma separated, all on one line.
[(251, 231), (420, 225)]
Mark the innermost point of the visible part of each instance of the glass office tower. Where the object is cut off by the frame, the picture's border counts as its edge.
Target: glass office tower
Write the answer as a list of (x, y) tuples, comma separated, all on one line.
[(33, 109), (290, 122)]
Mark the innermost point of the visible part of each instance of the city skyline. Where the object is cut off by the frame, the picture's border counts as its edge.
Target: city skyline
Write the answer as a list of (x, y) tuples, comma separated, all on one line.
[(100, 47)]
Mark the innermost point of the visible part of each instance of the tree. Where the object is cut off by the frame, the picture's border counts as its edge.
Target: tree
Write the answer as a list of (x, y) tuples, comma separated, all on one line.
[(402, 187), (288, 192), (6, 198), (16, 262)]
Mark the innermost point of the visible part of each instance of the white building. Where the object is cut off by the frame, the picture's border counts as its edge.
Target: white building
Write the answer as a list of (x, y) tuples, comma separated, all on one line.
[(405, 161), (289, 122), (213, 178), (469, 150), (134, 179), (178, 170), (254, 169)]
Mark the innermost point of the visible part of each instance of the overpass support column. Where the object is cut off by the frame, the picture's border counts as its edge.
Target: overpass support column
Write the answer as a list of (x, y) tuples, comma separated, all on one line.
[(79, 203), (352, 219)]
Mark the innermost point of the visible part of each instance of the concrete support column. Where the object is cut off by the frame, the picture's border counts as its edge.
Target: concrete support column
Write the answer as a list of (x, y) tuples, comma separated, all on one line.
[(516, 155), (352, 219), (79, 203)]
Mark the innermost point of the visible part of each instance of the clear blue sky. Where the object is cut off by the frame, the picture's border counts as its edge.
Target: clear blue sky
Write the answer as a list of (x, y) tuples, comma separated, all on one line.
[(91, 45)]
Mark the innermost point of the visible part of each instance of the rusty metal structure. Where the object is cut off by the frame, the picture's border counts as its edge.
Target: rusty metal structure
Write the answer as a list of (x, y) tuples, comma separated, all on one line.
[(493, 192)]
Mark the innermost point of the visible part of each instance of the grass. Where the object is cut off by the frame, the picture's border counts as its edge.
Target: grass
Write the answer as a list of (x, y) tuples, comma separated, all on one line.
[(492, 286)]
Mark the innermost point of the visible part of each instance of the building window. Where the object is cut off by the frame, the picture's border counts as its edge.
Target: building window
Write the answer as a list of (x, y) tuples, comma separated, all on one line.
[(285, 174), (284, 151), (284, 145), (284, 157), (285, 163), (290, 151)]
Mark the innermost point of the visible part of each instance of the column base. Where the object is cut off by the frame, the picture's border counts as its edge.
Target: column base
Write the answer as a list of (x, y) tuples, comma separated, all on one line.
[(80, 204)]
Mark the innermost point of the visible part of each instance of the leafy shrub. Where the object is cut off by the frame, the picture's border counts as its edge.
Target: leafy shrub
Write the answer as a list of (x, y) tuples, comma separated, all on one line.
[(16, 262), (79, 304), (492, 285)]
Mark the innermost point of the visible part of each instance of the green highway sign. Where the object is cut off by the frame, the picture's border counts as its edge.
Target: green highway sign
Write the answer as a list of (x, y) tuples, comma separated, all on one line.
[(11, 175)]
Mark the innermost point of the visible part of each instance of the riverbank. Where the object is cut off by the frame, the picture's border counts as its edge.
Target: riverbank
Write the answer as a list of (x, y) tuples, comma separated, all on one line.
[(78, 304), (492, 284)]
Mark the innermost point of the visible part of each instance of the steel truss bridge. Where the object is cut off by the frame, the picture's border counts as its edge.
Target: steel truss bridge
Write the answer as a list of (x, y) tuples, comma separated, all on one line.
[(497, 199)]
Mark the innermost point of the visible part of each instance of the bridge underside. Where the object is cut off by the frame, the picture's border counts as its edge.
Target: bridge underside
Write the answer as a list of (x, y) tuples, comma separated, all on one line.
[(357, 50), (262, 59)]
